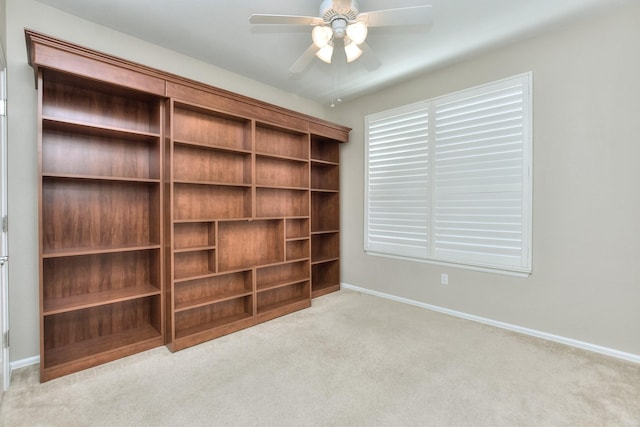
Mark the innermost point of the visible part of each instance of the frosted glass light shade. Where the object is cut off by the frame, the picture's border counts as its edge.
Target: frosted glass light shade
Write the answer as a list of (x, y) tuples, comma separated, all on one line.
[(325, 53), (357, 32), (353, 51), (321, 36)]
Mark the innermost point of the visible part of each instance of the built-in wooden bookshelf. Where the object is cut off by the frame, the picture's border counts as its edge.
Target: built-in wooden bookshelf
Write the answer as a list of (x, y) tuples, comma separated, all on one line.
[(325, 215), (171, 212), (100, 216)]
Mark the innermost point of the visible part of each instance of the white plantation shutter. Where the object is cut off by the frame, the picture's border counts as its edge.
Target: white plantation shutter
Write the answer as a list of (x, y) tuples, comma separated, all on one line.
[(470, 202), (398, 179)]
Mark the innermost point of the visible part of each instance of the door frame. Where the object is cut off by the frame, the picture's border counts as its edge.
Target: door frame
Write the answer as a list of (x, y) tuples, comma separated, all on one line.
[(5, 369)]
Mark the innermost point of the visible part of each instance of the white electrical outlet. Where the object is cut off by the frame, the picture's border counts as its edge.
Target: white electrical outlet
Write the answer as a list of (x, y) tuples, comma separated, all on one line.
[(444, 278)]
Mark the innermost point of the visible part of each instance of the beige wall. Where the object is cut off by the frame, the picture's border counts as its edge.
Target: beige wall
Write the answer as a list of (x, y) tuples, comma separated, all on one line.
[(23, 237), (586, 222)]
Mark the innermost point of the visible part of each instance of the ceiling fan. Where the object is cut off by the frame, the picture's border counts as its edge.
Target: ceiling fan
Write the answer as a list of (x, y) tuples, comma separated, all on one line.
[(341, 25)]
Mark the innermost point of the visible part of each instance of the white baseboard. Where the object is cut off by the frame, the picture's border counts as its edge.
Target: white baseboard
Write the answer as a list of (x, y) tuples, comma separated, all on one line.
[(515, 328), (17, 364)]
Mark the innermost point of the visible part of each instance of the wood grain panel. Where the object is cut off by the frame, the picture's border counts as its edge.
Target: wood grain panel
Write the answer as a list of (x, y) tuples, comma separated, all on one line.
[(209, 202), (208, 290), (297, 227), (249, 243), (281, 173), (281, 142), (71, 98), (194, 235), (282, 274), (95, 214), (325, 176), (88, 330), (194, 264), (192, 124), (325, 246), (69, 152), (280, 203), (82, 276), (212, 316), (325, 211), (205, 165)]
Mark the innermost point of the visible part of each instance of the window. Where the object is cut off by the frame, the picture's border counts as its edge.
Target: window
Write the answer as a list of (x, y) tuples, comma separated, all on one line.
[(449, 179)]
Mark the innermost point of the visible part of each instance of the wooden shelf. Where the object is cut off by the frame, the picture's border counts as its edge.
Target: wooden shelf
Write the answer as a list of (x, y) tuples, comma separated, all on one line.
[(79, 302), (206, 165), (284, 307), (208, 127), (202, 319), (91, 129), (72, 252), (201, 302), (212, 147), (212, 289), (87, 350), (284, 274), (275, 202), (93, 103), (278, 141), (197, 201), (61, 176)]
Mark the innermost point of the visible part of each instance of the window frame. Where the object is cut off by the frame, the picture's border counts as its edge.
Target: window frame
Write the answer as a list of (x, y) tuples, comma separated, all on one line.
[(524, 267)]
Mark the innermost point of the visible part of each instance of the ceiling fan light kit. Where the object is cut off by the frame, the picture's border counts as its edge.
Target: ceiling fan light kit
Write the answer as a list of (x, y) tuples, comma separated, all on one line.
[(341, 20)]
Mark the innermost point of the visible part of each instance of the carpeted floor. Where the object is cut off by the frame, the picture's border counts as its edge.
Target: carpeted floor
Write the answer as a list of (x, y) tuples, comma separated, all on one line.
[(349, 360)]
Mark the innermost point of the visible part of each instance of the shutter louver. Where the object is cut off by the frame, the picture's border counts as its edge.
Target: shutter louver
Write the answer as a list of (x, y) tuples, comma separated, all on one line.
[(397, 188)]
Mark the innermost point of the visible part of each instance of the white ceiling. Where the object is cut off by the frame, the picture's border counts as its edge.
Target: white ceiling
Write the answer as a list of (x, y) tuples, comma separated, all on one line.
[(218, 32)]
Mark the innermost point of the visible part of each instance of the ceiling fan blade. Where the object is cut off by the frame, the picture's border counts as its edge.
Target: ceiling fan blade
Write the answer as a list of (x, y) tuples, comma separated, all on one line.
[(285, 19), (369, 59), (417, 15), (303, 62)]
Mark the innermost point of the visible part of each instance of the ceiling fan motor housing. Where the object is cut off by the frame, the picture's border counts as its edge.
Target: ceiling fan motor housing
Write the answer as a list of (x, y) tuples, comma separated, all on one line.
[(344, 9)]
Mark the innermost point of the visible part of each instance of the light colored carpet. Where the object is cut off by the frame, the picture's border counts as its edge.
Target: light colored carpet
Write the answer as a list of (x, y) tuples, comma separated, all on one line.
[(349, 360)]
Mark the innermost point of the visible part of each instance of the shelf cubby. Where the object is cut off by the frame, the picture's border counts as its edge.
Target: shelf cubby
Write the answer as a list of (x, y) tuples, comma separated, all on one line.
[(325, 277), (77, 282), (325, 247), (275, 202), (276, 172), (200, 292), (84, 214), (297, 228), (281, 300), (211, 128), (194, 235), (244, 244), (76, 99), (198, 164), (282, 142), (195, 263), (297, 249), (279, 275), (197, 202), (325, 176), (206, 318), (325, 211), (94, 335), (325, 149), (76, 150)]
